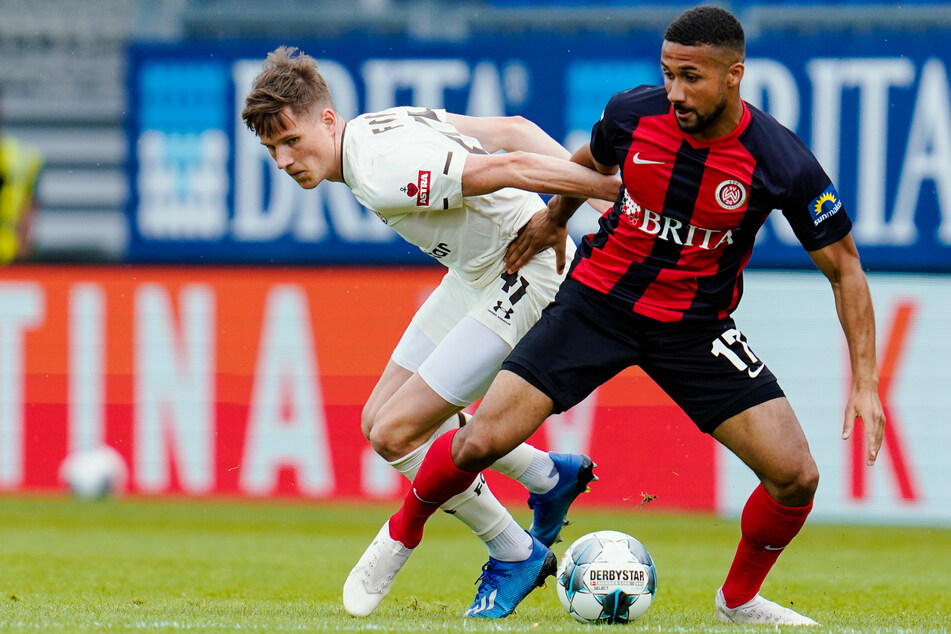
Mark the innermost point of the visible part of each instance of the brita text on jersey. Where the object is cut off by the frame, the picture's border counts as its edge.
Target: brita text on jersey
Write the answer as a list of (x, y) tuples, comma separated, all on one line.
[(667, 228)]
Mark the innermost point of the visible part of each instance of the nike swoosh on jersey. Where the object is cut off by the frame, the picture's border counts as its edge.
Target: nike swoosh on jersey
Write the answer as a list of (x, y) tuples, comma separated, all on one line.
[(755, 373), (640, 161)]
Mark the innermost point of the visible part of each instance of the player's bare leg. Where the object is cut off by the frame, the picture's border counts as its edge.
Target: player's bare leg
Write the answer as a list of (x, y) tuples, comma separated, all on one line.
[(769, 439), (393, 377), (402, 413), (555, 479), (395, 428), (512, 410), (509, 414), (401, 408), (439, 479)]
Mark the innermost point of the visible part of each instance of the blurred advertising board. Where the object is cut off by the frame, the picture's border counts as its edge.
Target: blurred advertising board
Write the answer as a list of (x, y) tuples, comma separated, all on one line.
[(874, 106), (250, 382)]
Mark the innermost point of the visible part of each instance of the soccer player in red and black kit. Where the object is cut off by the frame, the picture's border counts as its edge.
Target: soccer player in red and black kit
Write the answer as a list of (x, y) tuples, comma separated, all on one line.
[(656, 285)]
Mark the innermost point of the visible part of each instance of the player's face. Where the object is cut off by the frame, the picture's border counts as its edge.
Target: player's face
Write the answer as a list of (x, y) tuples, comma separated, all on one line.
[(307, 148), (703, 87)]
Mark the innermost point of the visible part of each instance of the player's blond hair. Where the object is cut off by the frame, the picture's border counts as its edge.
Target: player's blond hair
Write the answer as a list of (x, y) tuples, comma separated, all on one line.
[(289, 78)]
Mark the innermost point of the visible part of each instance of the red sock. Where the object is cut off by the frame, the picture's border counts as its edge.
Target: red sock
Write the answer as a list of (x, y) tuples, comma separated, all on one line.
[(437, 480), (767, 527)]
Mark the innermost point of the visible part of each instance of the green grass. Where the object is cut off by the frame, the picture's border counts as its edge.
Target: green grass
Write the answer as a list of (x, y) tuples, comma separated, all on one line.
[(210, 566)]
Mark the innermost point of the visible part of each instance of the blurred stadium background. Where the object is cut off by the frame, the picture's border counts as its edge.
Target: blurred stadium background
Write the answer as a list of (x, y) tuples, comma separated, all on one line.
[(221, 328)]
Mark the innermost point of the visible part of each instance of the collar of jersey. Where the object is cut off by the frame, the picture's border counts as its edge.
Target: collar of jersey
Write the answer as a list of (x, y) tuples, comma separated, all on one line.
[(697, 143)]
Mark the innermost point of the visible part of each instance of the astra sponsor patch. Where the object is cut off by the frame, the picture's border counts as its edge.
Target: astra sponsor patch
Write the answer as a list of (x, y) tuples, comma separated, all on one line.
[(825, 205), (422, 184)]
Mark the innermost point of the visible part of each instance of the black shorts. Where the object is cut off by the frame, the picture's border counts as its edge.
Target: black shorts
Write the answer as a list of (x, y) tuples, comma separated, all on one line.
[(584, 338)]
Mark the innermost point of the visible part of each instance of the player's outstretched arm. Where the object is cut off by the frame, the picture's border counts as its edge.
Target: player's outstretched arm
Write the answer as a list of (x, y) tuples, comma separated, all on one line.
[(513, 134), (508, 133), (549, 227), (853, 302), (486, 173)]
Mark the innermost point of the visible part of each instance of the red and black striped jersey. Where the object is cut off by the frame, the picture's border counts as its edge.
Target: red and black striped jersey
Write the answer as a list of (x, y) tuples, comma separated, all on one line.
[(674, 246)]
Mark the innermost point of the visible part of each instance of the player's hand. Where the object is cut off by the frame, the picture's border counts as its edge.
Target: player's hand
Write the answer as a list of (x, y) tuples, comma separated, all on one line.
[(538, 234), (865, 404)]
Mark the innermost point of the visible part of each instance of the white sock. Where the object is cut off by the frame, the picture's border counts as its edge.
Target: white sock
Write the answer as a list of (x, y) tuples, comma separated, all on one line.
[(476, 507), (541, 476), (530, 467), (512, 544)]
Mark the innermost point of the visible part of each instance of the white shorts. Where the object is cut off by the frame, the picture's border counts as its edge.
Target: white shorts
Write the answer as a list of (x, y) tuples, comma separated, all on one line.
[(461, 334)]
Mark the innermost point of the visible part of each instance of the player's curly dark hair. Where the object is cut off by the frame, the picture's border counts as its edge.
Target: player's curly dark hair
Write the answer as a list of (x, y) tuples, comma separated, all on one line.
[(290, 78), (707, 24)]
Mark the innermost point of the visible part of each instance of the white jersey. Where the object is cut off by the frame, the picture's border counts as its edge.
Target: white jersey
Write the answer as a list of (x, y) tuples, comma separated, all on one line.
[(405, 164)]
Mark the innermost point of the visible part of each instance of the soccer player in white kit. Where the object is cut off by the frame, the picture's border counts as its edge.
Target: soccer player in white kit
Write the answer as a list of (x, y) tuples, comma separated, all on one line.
[(436, 178)]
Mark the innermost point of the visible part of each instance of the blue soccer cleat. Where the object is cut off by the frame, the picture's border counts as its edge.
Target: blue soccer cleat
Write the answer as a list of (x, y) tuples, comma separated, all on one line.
[(575, 471), (503, 584)]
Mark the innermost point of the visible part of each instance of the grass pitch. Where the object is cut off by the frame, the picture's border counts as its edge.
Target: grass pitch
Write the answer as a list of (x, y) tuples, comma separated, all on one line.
[(210, 566)]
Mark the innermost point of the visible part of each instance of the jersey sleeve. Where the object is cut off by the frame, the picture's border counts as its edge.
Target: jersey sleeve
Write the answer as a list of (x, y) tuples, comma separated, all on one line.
[(603, 133), (814, 209), (408, 173)]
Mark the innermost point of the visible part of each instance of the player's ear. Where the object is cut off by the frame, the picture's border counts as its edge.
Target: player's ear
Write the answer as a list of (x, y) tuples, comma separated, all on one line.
[(735, 74), (328, 117)]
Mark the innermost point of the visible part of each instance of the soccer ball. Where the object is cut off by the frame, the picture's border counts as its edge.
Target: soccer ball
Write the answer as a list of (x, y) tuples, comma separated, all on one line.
[(606, 577), (94, 473)]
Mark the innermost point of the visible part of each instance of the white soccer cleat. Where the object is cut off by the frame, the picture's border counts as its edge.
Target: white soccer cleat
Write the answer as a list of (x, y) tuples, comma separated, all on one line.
[(759, 611), (371, 579)]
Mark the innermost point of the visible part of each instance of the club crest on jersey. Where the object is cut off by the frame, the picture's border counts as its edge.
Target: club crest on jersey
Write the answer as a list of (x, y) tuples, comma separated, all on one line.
[(731, 194), (826, 205)]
